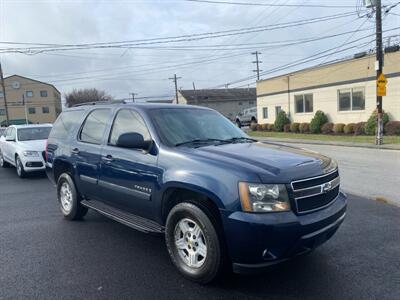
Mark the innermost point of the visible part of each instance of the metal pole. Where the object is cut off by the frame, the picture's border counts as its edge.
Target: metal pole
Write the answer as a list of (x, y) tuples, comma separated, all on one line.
[(4, 96), (379, 59), (26, 112)]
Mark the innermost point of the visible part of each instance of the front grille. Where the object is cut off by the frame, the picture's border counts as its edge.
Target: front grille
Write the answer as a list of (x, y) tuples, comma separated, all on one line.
[(34, 164), (313, 193)]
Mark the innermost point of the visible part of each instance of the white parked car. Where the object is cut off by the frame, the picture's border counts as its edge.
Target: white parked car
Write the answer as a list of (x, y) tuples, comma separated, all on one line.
[(246, 117), (23, 146)]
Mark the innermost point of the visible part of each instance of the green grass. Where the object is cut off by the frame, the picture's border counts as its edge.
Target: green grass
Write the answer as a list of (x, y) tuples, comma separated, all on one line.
[(324, 137)]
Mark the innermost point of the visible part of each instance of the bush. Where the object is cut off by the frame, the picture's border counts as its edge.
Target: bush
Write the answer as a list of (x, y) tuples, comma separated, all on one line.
[(349, 128), (370, 126), (359, 128), (392, 128), (316, 123), (264, 127), (294, 127), (271, 127), (327, 128), (281, 121), (286, 128), (253, 127), (304, 127), (258, 127), (338, 128)]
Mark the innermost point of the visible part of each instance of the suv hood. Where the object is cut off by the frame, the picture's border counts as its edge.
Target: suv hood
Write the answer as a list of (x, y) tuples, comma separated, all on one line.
[(272, 162), (34, 145)]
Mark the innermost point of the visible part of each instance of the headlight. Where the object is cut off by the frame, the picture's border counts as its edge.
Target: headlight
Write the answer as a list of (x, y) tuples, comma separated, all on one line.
[(256, 197), (30, 153)]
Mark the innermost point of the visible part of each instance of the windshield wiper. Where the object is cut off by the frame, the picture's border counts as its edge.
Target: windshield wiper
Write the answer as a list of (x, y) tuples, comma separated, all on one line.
[(199, 141), (240, 139)]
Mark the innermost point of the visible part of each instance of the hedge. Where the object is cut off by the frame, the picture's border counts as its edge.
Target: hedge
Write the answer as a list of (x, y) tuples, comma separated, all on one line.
[(349, 128), (294, 127), (338, 128), (392, 128), (304, 127), (316, 123), (281, 121), (327, 128)]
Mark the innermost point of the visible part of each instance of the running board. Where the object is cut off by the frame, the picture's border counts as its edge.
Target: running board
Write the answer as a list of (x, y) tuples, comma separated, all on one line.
[(133, 221)]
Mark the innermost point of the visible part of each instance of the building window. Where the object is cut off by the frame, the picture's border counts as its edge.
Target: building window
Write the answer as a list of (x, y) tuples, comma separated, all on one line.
[(45, 110), (351, 99), (43, 93), (29, 93), (265, 112), (277, 110), (32, 110), (2, 111), (303, 103)]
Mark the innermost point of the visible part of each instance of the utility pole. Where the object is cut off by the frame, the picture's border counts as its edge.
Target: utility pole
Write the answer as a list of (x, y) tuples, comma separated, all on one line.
[(175, 79), (133, 96), (379, 59), (257, 62), (195, 93), (4, 95)]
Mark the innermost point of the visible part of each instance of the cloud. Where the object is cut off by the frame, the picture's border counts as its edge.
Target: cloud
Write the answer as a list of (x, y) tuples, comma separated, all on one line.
[(146, 71)]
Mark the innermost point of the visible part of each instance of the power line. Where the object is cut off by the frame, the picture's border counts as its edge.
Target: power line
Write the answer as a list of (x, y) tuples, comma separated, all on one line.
[(186, 38), (271, 4)]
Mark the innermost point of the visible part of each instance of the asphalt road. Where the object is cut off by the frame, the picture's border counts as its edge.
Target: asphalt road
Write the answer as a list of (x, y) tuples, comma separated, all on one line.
[(370, 173), (43, 256)]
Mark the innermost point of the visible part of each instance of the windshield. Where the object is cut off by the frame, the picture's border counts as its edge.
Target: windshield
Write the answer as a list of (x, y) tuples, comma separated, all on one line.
[(33, 133), (179, 126)]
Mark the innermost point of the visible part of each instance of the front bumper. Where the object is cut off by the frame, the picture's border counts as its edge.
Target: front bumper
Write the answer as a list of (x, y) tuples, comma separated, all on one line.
[(257, 241), (33, 164)]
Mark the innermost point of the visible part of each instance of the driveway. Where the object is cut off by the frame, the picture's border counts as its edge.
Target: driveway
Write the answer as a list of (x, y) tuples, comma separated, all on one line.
[(43, 256)]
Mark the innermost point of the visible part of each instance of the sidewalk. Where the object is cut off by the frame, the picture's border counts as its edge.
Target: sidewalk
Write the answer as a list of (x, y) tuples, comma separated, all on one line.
[(332, 143)]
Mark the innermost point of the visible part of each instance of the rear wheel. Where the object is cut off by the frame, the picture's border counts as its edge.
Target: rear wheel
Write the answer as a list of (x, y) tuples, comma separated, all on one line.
[(69, 198), (3, 163), (20, 168), (193, 242)]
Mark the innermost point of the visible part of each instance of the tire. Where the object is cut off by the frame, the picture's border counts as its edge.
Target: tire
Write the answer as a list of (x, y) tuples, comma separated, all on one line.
[(238, 124), (20, 168), (3, 163), (205, 263), (69, 198)]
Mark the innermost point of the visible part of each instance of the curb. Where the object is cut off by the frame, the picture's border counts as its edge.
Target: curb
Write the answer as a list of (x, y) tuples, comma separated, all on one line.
[(394, 147)]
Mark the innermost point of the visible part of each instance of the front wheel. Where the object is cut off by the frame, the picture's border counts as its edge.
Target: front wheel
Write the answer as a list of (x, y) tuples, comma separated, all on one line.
[(20, 168), (193, 243), (69, 198)]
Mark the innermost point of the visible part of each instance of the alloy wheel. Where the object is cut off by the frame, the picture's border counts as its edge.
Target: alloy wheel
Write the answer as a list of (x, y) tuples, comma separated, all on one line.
[(66, 198), (190, 243)]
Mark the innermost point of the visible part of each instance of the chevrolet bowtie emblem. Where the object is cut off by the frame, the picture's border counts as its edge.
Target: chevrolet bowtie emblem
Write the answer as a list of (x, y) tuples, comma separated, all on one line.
[(326, 187)]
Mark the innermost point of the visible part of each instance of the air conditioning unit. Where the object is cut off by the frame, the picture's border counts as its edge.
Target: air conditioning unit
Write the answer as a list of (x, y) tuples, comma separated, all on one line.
[(369, 3)]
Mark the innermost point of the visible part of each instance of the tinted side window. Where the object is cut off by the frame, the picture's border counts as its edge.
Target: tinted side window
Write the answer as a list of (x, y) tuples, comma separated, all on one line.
[(128, 121), (94, 126), (65, 123)]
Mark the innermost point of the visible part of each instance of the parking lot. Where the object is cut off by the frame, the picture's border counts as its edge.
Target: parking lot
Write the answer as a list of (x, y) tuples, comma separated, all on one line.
[(44, 256)]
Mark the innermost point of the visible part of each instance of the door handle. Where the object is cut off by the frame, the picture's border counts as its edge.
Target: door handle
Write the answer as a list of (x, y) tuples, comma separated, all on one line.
[(108, 158), (75, 151)]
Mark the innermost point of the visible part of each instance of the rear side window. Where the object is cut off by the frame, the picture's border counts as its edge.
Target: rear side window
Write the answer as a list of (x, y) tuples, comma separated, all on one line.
[(66, 122), (95, 124), (128, 121)]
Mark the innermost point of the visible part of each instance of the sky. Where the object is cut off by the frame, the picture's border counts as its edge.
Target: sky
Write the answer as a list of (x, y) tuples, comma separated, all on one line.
[(146, 72)]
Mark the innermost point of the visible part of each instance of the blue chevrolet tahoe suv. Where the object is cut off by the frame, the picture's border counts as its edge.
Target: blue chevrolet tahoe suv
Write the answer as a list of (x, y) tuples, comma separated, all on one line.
[(220, 198)]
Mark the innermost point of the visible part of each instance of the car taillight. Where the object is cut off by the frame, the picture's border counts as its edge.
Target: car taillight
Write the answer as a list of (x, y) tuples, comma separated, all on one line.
[(46, 151)]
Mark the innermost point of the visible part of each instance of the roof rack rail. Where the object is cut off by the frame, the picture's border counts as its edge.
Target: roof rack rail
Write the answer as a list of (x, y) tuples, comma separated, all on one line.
[(99, 103)]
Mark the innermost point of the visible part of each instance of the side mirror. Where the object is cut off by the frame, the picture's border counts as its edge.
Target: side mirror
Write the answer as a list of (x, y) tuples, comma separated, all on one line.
[(10, 139), (133, 140)]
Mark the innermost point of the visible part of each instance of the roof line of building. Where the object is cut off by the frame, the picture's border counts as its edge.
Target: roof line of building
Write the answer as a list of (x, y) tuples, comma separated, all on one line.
[(363, 79), (33, 80), (321, 66)]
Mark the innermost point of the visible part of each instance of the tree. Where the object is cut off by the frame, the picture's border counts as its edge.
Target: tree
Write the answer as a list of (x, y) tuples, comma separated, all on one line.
[(85, 95)]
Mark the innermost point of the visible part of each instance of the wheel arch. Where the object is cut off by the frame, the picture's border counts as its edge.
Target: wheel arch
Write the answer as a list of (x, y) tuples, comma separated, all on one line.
[(174, 193)]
